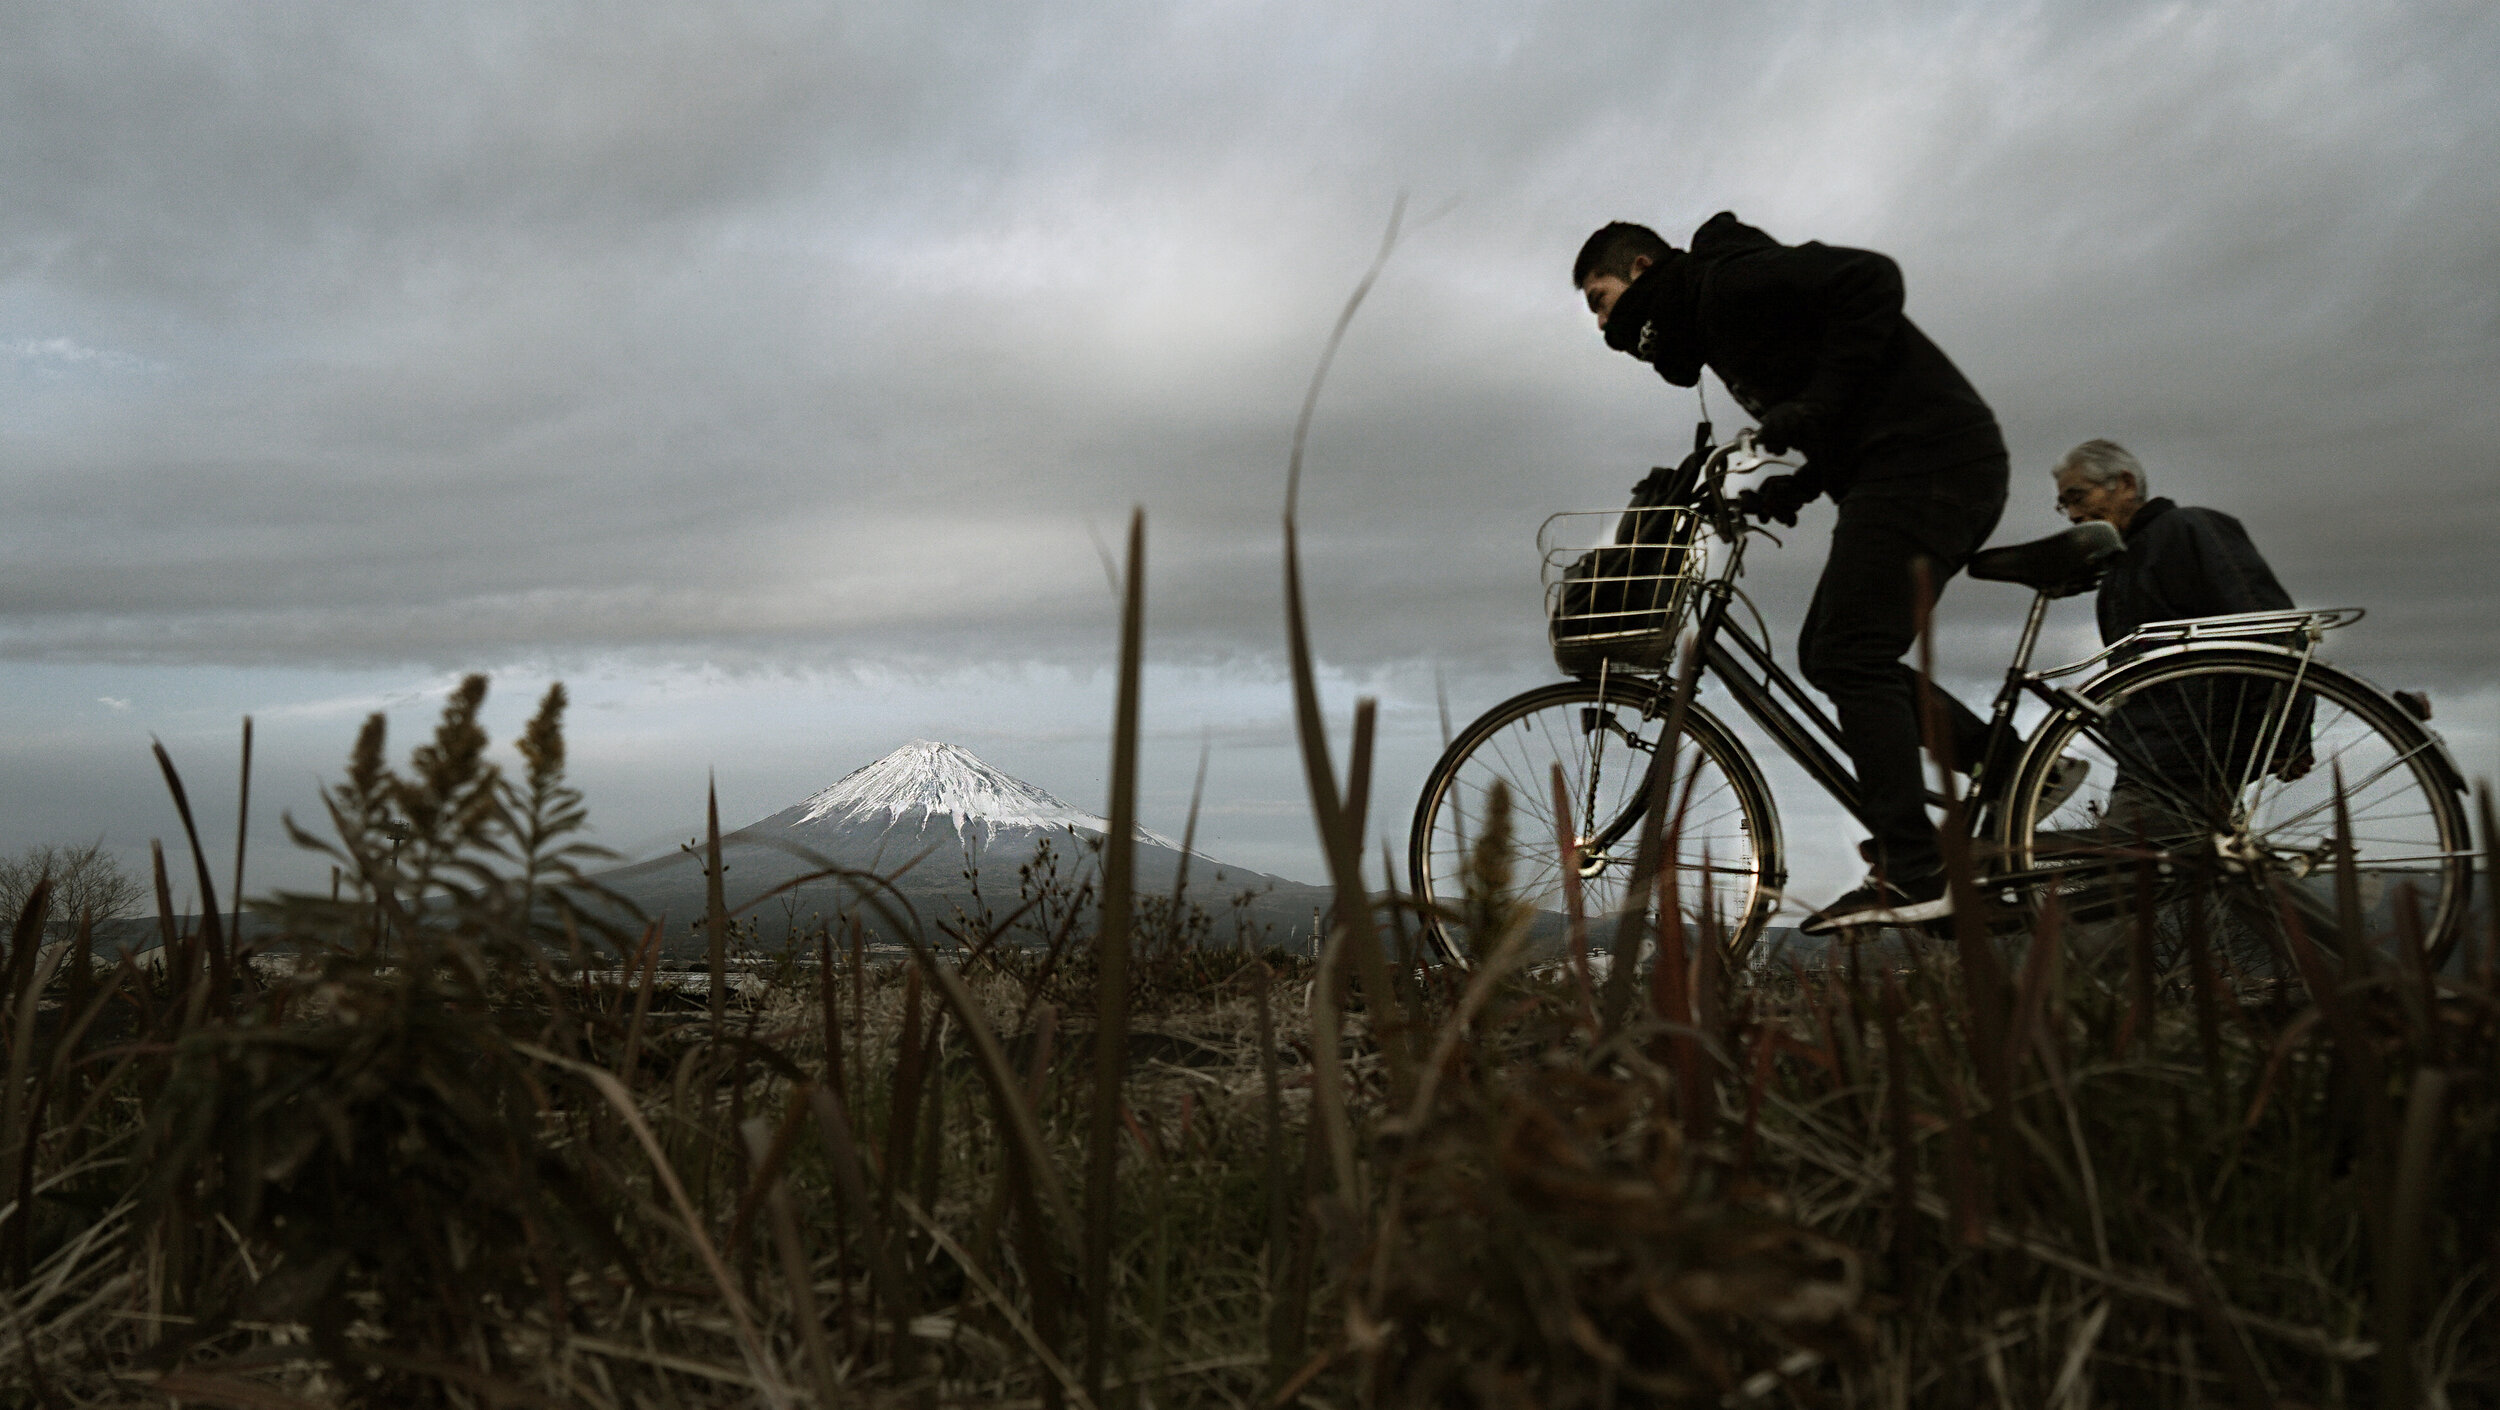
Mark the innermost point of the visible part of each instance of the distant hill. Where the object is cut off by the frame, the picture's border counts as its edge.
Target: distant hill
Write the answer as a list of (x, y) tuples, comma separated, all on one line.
[(926, 814)]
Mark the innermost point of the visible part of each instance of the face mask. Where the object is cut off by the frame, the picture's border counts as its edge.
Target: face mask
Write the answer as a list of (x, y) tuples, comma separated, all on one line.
[(1654, 321)]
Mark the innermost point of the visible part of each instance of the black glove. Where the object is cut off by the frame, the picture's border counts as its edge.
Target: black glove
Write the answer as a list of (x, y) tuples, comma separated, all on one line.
[(1779, 498), (1787, 426)]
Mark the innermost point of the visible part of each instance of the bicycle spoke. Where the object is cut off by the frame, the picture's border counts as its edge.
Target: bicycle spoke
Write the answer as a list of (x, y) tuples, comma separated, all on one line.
[(2382, 771)]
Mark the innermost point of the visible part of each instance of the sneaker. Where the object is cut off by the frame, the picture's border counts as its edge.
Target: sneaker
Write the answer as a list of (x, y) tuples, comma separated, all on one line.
[(2065, 776), (1877, 903)]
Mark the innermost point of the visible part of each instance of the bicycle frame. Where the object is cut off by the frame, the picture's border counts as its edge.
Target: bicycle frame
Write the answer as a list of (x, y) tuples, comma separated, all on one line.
[(1745, 666)]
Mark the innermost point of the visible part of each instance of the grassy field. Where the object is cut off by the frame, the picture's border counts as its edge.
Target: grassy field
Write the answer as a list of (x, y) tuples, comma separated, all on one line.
[(1084, 1156)]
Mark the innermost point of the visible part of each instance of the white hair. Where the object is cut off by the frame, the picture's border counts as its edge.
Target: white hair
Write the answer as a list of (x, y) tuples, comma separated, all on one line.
[(2101, 462)]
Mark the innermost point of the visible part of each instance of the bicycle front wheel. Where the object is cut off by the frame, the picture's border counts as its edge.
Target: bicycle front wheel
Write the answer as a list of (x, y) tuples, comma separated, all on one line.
[(2213, 775), (1725, 866)]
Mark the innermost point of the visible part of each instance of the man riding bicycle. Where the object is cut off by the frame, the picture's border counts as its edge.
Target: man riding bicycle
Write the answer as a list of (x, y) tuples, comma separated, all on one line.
[(1812, 341)]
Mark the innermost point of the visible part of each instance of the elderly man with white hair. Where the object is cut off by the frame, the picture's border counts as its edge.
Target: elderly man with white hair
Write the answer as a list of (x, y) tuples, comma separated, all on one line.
[(2180, 561)]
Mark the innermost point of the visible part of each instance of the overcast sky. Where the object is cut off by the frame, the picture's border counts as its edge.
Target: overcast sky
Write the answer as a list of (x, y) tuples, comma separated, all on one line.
[(770, 373)]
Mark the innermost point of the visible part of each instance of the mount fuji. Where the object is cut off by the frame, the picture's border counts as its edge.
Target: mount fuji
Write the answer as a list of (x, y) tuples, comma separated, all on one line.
[(924, 815), (927, 791)]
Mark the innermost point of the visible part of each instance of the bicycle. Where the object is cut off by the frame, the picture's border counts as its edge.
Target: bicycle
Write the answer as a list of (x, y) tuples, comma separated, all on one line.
[(2212, 749)]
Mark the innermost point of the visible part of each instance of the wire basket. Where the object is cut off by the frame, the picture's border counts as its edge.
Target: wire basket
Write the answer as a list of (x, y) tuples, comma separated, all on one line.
[(1617, 586)]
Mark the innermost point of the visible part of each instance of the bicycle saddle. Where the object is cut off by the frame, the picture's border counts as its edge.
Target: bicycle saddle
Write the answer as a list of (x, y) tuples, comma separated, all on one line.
[(2060, 565)]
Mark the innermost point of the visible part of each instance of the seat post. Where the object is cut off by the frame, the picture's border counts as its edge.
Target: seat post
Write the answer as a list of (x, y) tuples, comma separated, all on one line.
[(2031, 632), (2001, 717)]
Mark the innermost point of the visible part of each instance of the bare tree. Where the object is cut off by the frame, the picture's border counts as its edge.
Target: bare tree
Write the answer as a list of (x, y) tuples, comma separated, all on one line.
[(86, 880)]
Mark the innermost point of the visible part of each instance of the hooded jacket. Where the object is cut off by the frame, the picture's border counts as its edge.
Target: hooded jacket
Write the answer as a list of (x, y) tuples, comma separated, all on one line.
[(1817, 325)]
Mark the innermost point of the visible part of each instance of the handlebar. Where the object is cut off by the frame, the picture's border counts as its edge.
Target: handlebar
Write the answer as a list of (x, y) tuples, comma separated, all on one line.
[(1742, 455)]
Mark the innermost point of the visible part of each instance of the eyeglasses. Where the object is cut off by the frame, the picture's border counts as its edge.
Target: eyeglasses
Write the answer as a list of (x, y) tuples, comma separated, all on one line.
[(2073, 495)]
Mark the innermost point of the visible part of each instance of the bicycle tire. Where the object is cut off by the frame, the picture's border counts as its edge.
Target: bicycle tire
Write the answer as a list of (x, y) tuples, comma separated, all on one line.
[(2235, 821), (1730, 824)]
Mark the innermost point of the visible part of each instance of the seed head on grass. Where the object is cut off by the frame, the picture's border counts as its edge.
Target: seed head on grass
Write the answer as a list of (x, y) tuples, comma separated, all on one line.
[(1489, 904)]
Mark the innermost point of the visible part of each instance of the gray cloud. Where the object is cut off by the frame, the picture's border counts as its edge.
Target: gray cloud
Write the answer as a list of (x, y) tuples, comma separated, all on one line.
[(780, 332)]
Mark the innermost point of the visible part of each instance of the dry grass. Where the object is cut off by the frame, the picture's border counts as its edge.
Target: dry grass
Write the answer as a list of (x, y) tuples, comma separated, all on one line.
[(422, 1165)]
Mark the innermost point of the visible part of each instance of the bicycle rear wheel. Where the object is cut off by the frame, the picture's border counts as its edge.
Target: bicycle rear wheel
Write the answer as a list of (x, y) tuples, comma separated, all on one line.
[(2213, 777), (1726, 862)]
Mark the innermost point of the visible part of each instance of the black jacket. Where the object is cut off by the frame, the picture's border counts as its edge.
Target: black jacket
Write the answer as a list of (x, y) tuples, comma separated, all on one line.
[(2184, 563), (2198, 737), (1816, 325)]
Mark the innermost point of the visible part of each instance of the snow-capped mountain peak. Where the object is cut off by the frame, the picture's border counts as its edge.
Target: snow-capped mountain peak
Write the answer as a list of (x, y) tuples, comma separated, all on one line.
[(925, 780)]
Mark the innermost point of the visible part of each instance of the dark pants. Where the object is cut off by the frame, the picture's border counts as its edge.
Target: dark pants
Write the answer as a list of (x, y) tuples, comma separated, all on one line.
[(1864, 619)]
